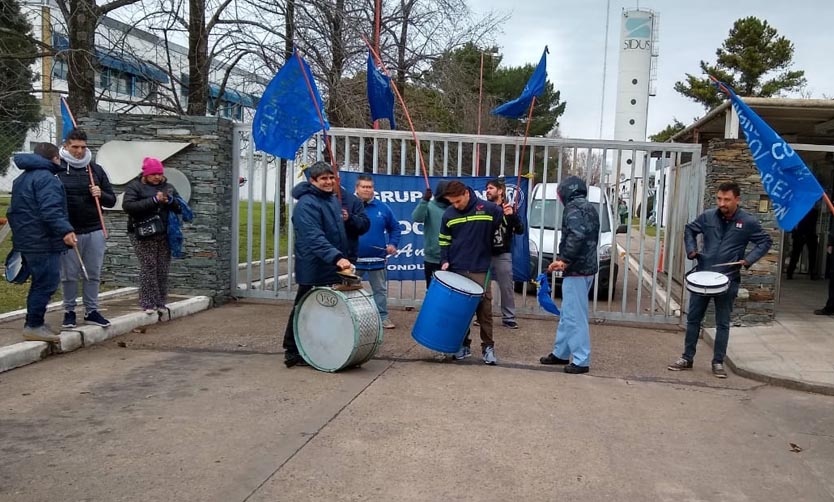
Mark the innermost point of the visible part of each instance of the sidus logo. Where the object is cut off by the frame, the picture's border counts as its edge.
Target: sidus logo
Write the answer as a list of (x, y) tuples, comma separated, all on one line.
[(631, 44), (638, 27), (513, 192)]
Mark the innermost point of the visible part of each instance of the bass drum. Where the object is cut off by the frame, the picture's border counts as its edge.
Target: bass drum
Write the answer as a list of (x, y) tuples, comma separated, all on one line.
[(337, 329)]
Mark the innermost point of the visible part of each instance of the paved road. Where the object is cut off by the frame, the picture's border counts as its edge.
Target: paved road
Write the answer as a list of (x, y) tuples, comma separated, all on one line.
[(202, 409)]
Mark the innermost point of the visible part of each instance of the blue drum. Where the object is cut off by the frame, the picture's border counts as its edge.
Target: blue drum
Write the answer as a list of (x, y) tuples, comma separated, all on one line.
[(447, 310)]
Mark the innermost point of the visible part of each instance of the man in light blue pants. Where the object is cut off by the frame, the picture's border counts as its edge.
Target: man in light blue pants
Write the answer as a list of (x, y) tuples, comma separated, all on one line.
[(578, 262)]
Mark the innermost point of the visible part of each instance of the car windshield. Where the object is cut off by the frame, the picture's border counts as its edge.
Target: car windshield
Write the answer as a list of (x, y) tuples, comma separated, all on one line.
[(543, 215)]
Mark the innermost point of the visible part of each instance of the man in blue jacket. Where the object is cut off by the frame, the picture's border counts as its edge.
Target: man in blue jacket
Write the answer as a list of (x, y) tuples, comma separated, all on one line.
[(380, 241), (321, 244), (465, 239), (726, 231), (41, 232), (578, 262)]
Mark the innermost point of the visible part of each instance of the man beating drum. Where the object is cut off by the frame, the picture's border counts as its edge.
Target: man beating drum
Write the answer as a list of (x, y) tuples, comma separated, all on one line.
[(321, 244), (726, 232)]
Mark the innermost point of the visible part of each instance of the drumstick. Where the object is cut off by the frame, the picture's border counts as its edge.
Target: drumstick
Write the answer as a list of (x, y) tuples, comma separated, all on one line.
[(83, 268), (729, 263)]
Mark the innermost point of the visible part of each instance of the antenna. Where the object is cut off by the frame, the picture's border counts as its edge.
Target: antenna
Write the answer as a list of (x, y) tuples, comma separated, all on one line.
[(604, 67)]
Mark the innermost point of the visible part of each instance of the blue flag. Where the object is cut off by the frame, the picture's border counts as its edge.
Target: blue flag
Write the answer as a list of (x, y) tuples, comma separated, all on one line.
[(380, 94), (517, 108), (792, 187), (67, 120), (286, 116), (545, 301)]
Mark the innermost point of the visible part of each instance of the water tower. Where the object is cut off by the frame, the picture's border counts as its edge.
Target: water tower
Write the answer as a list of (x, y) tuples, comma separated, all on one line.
[(635, 84)]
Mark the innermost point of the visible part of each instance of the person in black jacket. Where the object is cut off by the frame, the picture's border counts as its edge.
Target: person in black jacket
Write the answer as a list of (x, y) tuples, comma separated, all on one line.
[(466, 232), (828, 309), (321, 243), (41, 232), (502, 256), (578, 262), (149, 197), (81, 202), (356, 222), (726, 232), (805, 234)]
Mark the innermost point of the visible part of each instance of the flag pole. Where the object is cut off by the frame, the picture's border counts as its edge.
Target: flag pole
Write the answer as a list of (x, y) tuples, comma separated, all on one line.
[(90, 173), (405, 110), (321, 121), (523, 147)]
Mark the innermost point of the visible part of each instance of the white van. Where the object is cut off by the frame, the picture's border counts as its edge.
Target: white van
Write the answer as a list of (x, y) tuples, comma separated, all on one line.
[(545, 221)]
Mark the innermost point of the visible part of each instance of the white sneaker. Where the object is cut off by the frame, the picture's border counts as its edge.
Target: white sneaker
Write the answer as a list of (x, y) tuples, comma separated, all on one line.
[(463, 353), (42, 333), (387, 324), (489, 356)]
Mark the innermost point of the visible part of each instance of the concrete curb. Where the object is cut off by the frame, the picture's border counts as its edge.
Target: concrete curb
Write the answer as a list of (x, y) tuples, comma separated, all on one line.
[(116, 293), (766, 376), (23, 353)]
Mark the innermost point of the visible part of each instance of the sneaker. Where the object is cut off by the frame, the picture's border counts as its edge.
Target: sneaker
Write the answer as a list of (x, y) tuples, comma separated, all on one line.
[(293, 359), (150, 311), (69, 320), (718, 370), (42, 333), (551, 359), (95, 318), (510, 324), (489, 356), (576, 370), (462, 353), (387, 324), (680, 364)]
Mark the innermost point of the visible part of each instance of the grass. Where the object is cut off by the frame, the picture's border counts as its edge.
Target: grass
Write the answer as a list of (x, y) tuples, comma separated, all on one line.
[(651, 230), (13, 296)]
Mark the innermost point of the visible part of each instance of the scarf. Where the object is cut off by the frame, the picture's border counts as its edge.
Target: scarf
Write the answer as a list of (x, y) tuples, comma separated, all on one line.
[(72, 161)]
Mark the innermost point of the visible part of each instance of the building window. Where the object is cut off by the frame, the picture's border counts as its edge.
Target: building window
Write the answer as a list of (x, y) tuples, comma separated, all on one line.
[(633, 101), (634, 81), (59, 69), (631, 122)]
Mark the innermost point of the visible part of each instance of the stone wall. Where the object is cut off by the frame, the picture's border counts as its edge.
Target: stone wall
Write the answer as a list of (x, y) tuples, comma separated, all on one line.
[(730, 160), (207, 163)]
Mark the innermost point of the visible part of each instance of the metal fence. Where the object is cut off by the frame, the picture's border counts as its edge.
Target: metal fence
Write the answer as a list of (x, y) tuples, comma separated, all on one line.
[(652, 188)]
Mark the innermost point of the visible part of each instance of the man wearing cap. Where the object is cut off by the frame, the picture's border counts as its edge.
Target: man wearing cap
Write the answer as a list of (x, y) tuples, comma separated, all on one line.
[(81, 202), (41, 232)]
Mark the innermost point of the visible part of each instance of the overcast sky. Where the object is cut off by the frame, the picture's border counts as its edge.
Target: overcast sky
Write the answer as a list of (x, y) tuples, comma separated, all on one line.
[(689, 32)]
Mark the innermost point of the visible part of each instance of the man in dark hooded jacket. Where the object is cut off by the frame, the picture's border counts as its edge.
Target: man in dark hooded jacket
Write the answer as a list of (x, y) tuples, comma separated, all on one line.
[(41, 232), (356, 222), (321, 243), (577, 261)]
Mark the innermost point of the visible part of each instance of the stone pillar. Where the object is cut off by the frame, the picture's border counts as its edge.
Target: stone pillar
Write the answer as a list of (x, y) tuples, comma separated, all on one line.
[(730, 160), (207, 163)]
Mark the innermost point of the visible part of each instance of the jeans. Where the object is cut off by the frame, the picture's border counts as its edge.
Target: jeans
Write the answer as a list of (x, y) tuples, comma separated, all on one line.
[(46, 277), (379, 286), (91, 247), (289, 332), (573, 335), (484, 312), (502, 273), (697, 308)]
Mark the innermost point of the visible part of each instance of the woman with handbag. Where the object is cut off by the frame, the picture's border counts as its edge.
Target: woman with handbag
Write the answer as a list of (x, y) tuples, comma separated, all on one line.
[(147, 201)]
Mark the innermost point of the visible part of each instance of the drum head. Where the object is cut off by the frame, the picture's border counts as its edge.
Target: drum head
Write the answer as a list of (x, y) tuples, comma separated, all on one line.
[(708, 279), (459, 282), (325, 329)]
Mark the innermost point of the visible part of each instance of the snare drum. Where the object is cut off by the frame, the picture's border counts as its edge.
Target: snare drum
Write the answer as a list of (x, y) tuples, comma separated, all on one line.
[(707, 283), (337, 329)]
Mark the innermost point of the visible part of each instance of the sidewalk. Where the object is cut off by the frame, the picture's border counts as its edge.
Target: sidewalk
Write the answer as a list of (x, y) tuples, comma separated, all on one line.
[(118, 306)]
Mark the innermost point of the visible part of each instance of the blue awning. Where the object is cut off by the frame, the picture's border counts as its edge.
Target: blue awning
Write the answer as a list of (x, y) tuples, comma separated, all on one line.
[(233, 96), (121, 62)]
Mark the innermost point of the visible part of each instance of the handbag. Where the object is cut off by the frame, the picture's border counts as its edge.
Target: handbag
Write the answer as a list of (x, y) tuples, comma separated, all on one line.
[(148, 228)]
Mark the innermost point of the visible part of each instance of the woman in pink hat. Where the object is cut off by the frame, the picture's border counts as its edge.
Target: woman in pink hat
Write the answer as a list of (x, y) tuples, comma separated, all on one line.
[(147, 201)]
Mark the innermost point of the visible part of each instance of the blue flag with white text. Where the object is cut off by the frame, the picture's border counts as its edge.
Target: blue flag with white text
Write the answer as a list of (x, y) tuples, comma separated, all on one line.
[(403, 193), (67, 120), (380, 94), (287, 114), (792, 187), (517, 108)]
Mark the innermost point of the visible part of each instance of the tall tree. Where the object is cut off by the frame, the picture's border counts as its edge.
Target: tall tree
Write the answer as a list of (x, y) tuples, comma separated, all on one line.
[(670, 130), (19, 109), (754, 59), (82, 17)]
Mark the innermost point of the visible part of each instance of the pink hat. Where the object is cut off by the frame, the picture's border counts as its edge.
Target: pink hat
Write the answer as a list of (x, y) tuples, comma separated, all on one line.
[(151, 166)]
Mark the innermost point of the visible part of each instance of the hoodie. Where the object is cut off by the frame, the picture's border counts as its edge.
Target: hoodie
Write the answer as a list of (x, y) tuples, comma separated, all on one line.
[(320, 237), (430, 214), (466, 236), (38, 212), (580, 229)]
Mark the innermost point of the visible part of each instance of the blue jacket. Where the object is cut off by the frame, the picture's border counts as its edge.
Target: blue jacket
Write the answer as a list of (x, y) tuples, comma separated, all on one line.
[(38, 212), (175, 237), (320, 237), (580, 229), (356, 224), (385, 229), (726, 240), (466, 236)]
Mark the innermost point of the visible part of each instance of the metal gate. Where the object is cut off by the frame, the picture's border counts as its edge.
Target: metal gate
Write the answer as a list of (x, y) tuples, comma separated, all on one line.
[(648, 192)]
